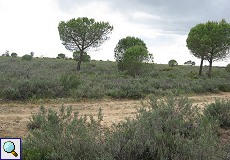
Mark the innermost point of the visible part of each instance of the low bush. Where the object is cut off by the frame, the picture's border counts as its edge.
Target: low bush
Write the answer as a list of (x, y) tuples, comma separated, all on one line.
[(25, 90), (168, 129), (224, 87), (220, 111), (162, 129), (64, 135), (27, 57), (9, 94), (51, 78), (167, 69), (70, 81), (89, 90)]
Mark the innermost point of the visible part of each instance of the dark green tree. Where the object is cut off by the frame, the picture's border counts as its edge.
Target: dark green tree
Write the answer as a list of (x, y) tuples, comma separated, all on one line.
[(76, 56), (61, 56), (126, 43), (196, 43), (32, 54), (209, 41), (172, 63), (27, 57), (14, 55), (190, 63), (83, 33), (133, 59)]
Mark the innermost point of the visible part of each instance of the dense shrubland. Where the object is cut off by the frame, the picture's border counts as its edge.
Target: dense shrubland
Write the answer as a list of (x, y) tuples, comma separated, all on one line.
[(220, 110), (58, 78), (171, 129)]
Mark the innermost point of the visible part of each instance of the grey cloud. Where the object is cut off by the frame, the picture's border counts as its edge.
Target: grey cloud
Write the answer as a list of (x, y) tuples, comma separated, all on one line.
[(175, 16)]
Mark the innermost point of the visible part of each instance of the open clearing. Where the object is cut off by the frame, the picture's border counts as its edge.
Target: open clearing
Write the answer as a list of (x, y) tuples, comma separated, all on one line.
[(14, 116)]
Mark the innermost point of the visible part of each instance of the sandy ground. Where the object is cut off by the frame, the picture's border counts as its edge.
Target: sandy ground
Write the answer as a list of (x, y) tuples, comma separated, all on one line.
[(14, 116)]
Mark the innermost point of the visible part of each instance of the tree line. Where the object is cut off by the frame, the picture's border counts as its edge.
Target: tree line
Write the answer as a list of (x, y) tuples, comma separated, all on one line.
[(208, 41)]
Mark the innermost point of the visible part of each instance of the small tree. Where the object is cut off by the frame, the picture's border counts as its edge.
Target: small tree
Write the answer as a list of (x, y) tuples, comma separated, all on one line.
[(27, 57), (133, 59), (124, 44), (190, 63), (76, 56), (32, 54), (172, 63), (82, 33), (14, 55), (61, 56), (6, 54)]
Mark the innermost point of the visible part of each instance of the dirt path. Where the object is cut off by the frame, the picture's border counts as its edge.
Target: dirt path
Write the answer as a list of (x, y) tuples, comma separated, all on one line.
[(14, 116)]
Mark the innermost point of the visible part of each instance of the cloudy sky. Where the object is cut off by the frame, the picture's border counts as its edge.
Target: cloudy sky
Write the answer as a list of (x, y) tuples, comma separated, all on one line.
[(31, 25)]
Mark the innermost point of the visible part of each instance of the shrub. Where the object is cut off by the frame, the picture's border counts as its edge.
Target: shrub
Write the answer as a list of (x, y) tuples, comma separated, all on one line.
[(25, 90), (64, 135), (172, 63), (61, 56), (37, 119), (117, 93), (228, 68), (10, 94), (37, 89), (89, 90), (220, 110), (70, 81), (27, 57), (224, 87), (167, 69), (133, 60), (14, 55), (190, 63), (167, 129)]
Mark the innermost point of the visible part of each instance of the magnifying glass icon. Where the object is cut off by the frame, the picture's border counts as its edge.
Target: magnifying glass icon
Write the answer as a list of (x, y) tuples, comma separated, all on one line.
[(9, 147)]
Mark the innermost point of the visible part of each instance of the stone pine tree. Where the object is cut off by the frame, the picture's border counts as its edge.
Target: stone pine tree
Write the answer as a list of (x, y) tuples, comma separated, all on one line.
[(82, 34), (209, 41)]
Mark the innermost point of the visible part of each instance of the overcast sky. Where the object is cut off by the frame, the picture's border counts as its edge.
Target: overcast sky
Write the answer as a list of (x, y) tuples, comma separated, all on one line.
[(31, 25)]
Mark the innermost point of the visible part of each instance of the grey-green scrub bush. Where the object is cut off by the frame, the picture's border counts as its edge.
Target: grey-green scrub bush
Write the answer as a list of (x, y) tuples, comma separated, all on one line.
[(170, 128), (167, 129), (64, 135), (220, 111)]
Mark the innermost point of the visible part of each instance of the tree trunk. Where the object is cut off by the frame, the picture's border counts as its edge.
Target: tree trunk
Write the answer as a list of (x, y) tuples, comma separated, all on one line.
[(210, 68), (80, 60), (78, 65), (201, 66)]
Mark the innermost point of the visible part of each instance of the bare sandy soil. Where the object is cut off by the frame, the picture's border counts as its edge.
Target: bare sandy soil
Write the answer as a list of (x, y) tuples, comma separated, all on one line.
[(14, 116)]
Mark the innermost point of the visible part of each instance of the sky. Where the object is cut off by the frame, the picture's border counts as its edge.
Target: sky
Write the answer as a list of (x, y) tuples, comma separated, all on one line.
[(31, 25)]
